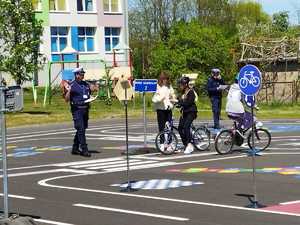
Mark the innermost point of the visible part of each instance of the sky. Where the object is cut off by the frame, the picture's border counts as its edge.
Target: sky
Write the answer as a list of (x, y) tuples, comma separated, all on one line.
[(273, 6)]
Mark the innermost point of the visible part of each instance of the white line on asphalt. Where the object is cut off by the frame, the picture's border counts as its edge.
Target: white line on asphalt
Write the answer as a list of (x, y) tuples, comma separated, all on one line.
[(44, 183), (104, 163), (51, 222), (280, 153), (288, 203), (154, 165), (132, 212), (89, 161), (124, 163), (50, 171), (19, 196), (183, 156)]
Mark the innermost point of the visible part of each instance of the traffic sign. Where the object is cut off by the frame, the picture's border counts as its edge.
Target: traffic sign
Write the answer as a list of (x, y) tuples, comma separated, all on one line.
[(13, 96), (250, 100), (123, 90), (250, 79), (145, 85)]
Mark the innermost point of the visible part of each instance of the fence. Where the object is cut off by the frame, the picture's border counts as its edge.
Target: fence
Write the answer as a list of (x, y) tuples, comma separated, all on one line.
[(281, 92)]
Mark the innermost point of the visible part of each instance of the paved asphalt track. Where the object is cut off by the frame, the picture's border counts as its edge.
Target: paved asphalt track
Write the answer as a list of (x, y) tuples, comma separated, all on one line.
[(55, 187)]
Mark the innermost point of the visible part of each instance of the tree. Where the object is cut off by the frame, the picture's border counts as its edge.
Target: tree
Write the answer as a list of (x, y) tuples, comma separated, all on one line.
[(281, 21), (193, 48), (20, 39)]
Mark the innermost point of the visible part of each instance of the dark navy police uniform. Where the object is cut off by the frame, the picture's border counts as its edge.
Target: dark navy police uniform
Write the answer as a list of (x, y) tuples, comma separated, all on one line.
[(80, 91), (215, 96)]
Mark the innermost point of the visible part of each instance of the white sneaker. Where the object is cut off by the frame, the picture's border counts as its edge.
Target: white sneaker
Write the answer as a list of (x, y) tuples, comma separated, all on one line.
[(189, 149)]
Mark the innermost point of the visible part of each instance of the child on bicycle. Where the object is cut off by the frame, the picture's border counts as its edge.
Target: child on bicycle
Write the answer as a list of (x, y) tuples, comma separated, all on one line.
[(235, 107), (188, 113)]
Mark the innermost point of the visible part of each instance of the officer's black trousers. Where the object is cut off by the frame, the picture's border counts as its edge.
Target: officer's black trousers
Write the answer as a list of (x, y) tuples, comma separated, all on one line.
[(80, 117), (184, 127), (216, 104)]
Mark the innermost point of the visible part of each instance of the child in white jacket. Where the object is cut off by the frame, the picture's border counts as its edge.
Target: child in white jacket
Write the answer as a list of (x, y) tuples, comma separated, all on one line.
[(164, 100), (234, 106)]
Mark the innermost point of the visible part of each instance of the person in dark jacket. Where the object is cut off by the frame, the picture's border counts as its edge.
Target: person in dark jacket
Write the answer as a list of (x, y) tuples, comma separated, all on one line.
[(214, 88), (188, 113), (78, 93)]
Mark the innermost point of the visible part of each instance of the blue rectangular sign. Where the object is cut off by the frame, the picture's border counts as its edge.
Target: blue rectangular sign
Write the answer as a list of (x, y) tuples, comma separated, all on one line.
[(145, 85)]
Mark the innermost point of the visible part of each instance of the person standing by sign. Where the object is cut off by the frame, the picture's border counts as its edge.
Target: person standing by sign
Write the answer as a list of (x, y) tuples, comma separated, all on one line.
[(164, 99), (215, 85), (79, 95), (189, 113)]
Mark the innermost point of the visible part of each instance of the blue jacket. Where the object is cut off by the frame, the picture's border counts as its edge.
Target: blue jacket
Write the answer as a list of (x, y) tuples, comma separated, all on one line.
[(212, 85), (80, 91)]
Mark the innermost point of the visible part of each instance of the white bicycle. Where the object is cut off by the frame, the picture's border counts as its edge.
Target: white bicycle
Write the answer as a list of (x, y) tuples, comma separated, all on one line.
[(249, 79)]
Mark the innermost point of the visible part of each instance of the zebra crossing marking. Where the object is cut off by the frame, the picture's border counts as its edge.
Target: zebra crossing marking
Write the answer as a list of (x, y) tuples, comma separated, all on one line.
[(158, 184)]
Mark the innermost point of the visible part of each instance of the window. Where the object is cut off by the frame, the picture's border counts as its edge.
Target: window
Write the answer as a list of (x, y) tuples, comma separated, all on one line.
[(112, 37), (37, 5), (112, 6), (59, 38), (86, 39), (58, 5), (85, 5)]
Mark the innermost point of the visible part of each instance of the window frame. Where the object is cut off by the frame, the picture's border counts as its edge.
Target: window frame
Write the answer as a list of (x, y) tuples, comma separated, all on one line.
[(83, 2), (111, 36), (56, 4), (110, 10), (39, 6), (58, 36), (85, 36)]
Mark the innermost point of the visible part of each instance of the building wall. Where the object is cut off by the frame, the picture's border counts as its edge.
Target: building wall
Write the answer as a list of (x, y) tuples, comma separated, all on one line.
[(73, 19)]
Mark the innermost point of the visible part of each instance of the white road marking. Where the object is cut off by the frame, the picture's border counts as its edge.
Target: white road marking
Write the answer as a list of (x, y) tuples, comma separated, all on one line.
[(44, 183), (50, 171), (121, 165), (19, 196), (288, 203), (89, 161), (183, 156), (105, 163), (132, 212), (154, 165), (51, 222)]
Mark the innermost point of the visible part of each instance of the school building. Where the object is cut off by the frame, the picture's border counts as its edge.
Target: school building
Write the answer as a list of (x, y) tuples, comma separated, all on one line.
[(82, 30)]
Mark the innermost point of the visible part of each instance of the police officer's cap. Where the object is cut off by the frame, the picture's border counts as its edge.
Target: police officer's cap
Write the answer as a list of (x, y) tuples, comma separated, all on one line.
[(78, 70), (215, 70), (183, 81)]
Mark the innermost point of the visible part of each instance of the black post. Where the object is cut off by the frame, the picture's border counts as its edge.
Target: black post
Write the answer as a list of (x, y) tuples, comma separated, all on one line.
[(254, 202), (128, 188)]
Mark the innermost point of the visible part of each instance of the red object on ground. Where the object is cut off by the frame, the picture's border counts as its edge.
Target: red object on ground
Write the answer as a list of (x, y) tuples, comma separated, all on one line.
[(288, 208)]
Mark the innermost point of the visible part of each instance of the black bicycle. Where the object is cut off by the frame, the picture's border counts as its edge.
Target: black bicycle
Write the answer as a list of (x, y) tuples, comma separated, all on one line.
[(166, 141), (226, 139)]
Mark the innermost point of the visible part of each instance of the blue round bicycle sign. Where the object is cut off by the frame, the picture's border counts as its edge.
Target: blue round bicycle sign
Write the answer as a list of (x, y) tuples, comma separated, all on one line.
[(250, 79)]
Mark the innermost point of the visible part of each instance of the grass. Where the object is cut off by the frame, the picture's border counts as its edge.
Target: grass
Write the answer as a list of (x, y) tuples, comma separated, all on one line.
[(59, 110)]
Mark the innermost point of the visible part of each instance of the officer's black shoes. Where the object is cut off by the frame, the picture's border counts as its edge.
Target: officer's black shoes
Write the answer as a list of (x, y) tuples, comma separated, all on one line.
[(85, 154), (75, 152)]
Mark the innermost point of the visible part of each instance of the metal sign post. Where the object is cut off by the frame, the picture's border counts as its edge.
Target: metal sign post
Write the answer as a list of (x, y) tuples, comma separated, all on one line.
[(124, 92), (250, 82), (3, 144), (143, 86)]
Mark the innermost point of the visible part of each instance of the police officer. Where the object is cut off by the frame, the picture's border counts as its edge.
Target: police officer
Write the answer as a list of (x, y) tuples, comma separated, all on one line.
[(79, 95), (215, 94)]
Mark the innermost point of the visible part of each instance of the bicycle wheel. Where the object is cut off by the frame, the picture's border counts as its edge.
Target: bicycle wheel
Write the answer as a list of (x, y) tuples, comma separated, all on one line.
[(262, 139), (166, 142), (224, 142), (201, 139)]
